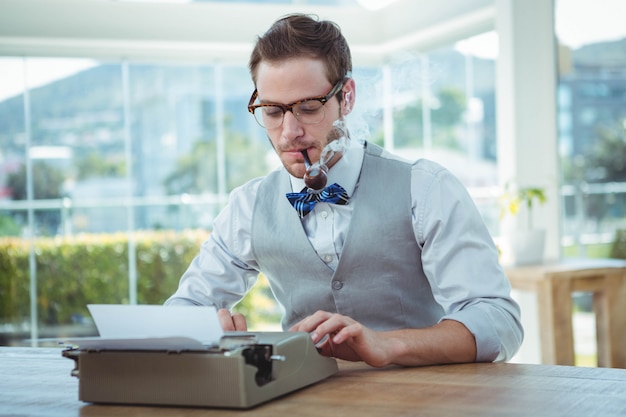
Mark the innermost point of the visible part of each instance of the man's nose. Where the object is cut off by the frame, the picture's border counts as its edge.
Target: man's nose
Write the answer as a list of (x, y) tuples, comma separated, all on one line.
[(291, 125)]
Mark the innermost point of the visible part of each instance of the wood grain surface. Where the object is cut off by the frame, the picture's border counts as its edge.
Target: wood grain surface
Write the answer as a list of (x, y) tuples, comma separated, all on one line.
[(36, 382)]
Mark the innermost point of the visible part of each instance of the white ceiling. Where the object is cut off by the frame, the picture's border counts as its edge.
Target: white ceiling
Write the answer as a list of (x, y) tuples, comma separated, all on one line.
[(223, 31)]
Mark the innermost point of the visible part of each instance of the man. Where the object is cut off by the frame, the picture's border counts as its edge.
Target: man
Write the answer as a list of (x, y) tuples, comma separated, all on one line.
[(404, 272)]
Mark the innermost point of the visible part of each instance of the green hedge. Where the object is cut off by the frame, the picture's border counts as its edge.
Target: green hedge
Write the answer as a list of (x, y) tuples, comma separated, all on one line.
[(93, 269), (619, 245)]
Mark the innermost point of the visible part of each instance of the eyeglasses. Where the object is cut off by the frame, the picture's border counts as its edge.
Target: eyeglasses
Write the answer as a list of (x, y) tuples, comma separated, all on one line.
[(307, 111)]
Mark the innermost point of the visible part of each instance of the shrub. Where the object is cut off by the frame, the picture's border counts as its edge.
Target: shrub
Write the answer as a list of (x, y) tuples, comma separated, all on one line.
[(618, 250), (93, 269)]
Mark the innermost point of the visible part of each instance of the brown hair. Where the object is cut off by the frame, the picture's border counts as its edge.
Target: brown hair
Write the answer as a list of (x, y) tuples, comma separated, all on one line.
[(301, 35)]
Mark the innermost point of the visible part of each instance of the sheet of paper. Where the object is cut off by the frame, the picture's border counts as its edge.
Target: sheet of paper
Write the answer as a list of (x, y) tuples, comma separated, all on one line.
[(154, 343), (122, 321)]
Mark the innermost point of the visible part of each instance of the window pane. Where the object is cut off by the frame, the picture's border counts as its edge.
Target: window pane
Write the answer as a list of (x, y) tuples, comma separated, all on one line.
[(171, 131), (592, 123)]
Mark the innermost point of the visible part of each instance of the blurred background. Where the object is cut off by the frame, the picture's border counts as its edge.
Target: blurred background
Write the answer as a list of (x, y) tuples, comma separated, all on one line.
[(123, 127)]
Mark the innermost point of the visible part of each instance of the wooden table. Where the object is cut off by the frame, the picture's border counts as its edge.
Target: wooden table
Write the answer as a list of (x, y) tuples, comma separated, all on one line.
[(36, 382), (554, 284)]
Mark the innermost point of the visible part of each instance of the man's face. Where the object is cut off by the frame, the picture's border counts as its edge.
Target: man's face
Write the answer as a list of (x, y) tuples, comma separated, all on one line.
[(289, 81)]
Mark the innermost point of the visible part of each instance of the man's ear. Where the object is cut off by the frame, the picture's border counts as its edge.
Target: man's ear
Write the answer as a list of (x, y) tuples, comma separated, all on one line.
[(348, 97)]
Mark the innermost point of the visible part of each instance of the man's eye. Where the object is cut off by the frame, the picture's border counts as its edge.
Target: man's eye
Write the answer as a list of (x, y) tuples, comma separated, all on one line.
[(272, 111), (310, 107), (304, 110)]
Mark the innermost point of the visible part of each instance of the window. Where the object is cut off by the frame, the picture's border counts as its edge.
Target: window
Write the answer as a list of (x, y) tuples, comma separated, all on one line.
[(592, 129), (105, 149), (117, 168)]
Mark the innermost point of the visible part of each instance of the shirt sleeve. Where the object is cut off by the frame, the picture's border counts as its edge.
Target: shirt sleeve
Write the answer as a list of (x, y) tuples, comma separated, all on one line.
[(460, 261), (224, 269)]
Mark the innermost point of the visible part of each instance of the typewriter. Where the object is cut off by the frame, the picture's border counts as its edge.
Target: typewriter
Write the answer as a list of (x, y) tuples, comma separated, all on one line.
[(242, 370)]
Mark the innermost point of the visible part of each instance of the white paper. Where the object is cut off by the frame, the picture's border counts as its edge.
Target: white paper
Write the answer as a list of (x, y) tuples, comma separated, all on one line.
[(153, 343), (122, 321)]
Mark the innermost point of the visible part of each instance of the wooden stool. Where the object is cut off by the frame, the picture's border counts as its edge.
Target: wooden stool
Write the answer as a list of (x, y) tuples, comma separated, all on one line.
[(554, 283)]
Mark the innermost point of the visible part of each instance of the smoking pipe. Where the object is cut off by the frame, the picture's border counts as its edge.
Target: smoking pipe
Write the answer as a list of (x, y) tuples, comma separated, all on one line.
[(315, 177)]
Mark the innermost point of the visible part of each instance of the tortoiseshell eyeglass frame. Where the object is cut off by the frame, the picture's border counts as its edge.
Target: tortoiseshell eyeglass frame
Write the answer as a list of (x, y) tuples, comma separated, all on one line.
[(289, 107)]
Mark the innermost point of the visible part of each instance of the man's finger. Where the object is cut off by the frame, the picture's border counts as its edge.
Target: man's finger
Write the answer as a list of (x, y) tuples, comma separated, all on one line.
[(239, 321), (226, 320)]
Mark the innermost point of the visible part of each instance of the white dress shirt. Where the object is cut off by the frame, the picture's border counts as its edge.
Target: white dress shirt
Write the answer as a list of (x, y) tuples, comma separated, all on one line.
[(226, 269)]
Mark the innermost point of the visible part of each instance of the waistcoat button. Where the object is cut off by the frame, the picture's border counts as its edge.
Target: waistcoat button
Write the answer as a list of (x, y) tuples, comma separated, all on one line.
[(337, 285)]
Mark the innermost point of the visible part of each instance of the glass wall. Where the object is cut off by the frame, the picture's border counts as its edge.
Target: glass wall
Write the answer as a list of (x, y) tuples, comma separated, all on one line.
[(95, 154), (116, 135), (91, 150), (592, 123)]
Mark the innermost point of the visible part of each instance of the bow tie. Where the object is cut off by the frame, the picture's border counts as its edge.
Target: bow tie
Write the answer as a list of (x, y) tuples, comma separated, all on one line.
[(304, 202)]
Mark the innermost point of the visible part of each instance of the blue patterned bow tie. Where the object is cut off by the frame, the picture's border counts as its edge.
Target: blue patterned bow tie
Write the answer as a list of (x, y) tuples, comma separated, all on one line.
[(304, 202)]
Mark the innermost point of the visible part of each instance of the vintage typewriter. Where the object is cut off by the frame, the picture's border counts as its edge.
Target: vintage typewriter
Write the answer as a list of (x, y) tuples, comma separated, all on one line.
[(242, 370)]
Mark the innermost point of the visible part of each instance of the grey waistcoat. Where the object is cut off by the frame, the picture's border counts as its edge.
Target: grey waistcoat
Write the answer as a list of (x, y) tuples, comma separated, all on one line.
[(379, 280)]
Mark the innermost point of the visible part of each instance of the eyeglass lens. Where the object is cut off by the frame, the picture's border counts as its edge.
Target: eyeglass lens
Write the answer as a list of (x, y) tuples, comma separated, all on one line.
[(307, 112)]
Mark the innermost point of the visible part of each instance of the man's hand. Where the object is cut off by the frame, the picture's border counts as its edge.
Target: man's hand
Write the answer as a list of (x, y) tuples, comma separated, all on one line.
[(344, 338), (232, 322)]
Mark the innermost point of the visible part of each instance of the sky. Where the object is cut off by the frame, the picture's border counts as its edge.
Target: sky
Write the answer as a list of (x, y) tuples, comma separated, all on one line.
[(38, 72), (578, 22)]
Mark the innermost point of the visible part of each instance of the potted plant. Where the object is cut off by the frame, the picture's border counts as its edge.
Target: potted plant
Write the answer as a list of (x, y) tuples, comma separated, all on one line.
[(522, 246)]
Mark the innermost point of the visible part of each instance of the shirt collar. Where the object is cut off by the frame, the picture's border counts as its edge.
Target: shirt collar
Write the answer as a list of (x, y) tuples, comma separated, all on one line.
[(345, 172)]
